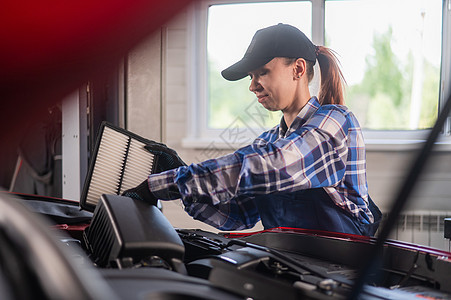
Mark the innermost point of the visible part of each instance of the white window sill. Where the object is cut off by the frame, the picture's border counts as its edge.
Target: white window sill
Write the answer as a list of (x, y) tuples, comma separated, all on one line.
[(392, 145), (372, 144)]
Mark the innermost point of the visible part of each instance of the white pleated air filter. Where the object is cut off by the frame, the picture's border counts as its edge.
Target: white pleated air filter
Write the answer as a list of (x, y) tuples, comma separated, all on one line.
[(119, 162)]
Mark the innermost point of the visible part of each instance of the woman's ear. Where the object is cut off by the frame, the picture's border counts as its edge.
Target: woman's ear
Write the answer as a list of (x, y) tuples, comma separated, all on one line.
[(300, 67)]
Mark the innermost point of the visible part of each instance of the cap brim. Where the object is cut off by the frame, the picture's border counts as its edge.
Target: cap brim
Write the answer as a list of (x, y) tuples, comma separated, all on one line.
[(242, 68)]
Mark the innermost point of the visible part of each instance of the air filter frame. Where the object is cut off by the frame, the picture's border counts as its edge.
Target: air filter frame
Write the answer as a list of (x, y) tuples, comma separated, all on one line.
[(132, 141)]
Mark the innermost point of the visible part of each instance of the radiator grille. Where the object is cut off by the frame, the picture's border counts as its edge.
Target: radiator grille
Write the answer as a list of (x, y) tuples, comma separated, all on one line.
[(126, 229), (101, 236)]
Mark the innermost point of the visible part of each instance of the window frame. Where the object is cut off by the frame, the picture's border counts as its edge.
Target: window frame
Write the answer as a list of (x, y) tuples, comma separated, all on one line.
[(199, 136)]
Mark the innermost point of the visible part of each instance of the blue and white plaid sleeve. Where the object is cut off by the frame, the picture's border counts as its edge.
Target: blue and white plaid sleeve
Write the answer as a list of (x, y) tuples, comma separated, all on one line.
[(235, 213), (220, 191)]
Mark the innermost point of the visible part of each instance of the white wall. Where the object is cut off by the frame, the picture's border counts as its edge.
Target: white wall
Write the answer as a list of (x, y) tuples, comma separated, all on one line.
[(143, 88), (386, 169)]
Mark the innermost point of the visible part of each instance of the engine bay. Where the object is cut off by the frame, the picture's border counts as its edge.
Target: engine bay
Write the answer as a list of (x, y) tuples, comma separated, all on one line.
[(141, 255)]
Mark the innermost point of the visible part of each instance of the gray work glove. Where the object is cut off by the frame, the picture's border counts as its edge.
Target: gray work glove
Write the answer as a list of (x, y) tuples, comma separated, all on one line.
[(141, 192), (167, 158)]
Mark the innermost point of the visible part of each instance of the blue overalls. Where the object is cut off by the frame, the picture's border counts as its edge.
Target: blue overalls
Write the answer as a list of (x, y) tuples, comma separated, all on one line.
[(312, 209)]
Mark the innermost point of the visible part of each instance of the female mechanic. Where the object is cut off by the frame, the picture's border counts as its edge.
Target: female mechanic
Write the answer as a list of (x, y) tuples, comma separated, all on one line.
[(307, 172)]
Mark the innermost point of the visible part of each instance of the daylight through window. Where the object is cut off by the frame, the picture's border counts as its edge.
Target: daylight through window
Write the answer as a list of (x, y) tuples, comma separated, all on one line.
[(390, 59), (230, 30), (390, 53)]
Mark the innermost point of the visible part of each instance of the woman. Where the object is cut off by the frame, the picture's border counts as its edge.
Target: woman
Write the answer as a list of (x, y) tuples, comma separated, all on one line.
[(307, 172)]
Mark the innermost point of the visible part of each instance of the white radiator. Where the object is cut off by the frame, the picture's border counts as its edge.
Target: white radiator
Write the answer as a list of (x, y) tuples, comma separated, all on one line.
[(422, 227)]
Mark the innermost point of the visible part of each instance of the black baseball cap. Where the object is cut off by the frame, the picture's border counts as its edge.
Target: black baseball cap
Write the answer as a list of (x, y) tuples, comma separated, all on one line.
[(280, 40)]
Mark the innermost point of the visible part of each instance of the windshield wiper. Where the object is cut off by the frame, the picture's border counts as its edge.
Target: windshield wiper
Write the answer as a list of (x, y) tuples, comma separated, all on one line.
[(399, 201)]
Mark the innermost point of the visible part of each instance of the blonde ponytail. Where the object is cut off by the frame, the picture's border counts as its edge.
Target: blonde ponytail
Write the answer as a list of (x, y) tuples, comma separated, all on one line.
[(332, 80)]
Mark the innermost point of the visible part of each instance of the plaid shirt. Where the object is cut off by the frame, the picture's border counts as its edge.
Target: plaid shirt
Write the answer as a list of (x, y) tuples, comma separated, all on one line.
[(323, 147)]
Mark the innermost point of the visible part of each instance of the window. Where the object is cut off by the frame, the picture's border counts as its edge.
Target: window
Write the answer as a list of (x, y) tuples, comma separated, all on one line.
[(390, 59), (227, 44), (394, 55)]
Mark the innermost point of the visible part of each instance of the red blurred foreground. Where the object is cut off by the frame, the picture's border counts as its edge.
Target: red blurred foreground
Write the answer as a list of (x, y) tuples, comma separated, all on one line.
[(49, 48)]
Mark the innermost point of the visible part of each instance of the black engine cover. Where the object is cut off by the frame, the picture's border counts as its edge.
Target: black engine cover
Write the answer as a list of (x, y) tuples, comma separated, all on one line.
[(123, 227)]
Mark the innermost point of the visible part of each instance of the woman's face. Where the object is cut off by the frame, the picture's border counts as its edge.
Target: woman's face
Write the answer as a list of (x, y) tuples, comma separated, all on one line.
[(274, 84)]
